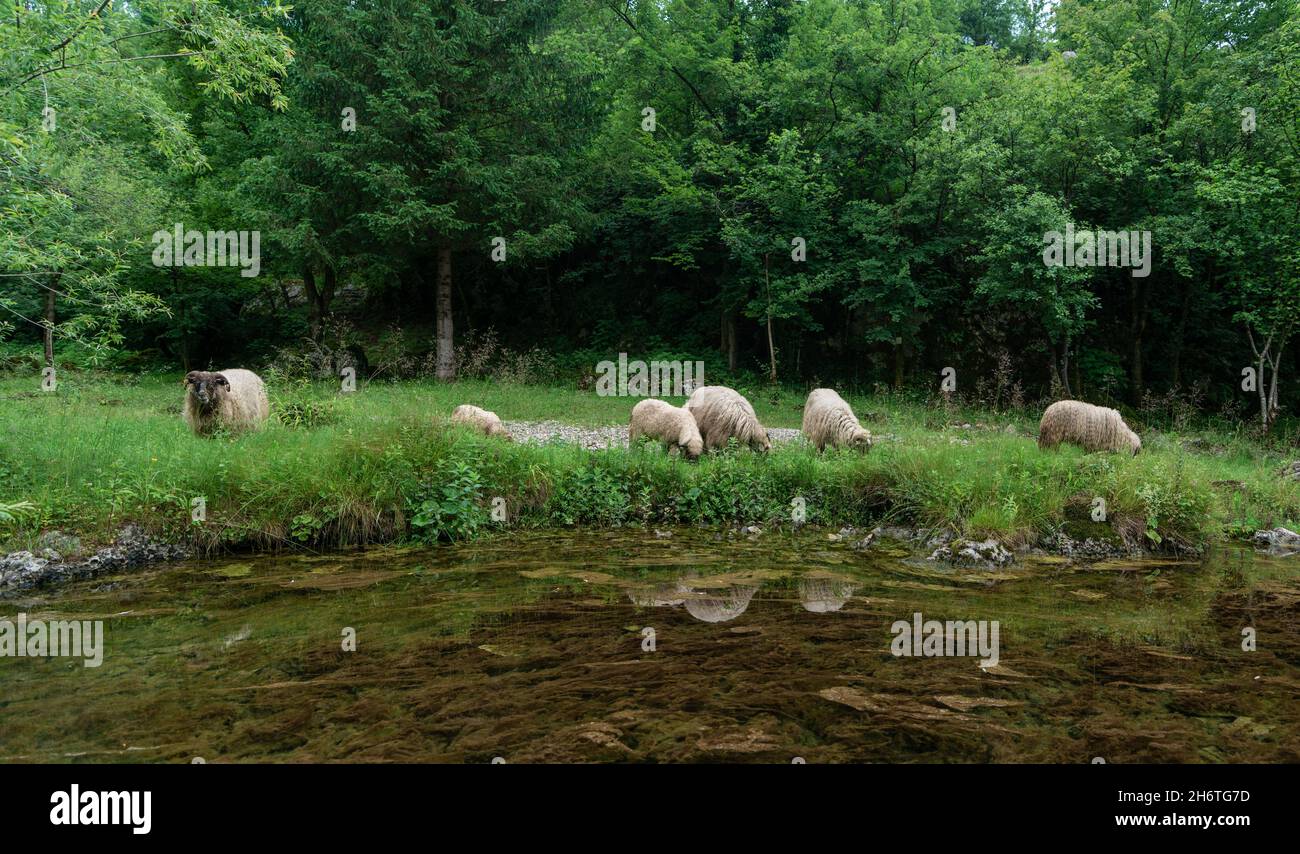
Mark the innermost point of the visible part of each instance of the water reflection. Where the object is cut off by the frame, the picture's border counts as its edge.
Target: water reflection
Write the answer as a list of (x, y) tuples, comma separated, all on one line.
[(824, 595), (712, 608), (658, 596), (526, 647)]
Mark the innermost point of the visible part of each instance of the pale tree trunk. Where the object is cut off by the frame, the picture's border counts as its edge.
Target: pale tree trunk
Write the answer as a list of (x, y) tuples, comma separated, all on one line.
[(1267, 361), (49, 321), (771, 347), (446, 368), (1272, 411), (1065, 366)]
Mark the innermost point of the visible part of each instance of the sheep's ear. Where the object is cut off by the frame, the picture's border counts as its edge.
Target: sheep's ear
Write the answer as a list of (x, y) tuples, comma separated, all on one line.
[(221, 380), (191, 377)]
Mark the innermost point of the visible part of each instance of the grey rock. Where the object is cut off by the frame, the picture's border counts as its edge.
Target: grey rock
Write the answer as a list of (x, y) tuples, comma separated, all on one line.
[(1278, 541), (985, 553), (1090, 549), (894, 532), (133, 548), (20, 569), (57, 541)]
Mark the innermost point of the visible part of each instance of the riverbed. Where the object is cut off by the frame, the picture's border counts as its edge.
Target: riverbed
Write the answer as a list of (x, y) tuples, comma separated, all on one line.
[(686, 645)]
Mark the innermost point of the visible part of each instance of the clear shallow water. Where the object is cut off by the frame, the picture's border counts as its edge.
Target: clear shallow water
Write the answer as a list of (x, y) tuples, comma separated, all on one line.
[(529, 648)]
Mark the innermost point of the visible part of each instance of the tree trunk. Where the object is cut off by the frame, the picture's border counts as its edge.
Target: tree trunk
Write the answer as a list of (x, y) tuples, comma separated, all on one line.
[(771, 347), (729, 338), (313, 302), (1053, 373), (1272, 413), (899, 364), (1065, 366), (1176, 358), (446, 366), (49, 322), (1137, 326)]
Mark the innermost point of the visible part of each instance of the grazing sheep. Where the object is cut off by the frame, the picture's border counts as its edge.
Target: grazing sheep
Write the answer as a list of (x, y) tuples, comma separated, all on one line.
[(828, 420), (1094, 428), (480, 419), (722, 413), (233, 400), (672, 425)]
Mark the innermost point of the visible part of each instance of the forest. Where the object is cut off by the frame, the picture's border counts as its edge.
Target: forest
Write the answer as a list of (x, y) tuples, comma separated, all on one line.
[(850, 191)]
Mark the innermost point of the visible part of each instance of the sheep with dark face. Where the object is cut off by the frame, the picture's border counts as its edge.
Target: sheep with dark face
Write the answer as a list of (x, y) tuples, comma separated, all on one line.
[(232, 400)]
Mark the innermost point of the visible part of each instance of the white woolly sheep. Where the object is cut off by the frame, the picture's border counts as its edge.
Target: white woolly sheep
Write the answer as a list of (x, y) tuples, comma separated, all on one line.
[(1094, 428), (828, 420), (672, 425), (722, 413), (232, 400), (481, 420)]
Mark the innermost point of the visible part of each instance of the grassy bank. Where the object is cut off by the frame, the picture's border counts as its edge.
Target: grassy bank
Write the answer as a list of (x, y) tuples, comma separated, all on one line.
[(380, 464)]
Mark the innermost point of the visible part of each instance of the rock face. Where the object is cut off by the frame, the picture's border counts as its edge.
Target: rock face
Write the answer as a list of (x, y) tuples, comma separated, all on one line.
[(985, 553), (1087, 549), (133, 548), (1279, 541), (21, 569)]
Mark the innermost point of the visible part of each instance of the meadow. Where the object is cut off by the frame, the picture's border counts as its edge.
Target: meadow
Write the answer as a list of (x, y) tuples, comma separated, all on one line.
[(382, 465)]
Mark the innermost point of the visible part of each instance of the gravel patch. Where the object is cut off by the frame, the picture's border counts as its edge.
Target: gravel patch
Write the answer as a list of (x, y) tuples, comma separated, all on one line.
[(598, 438)]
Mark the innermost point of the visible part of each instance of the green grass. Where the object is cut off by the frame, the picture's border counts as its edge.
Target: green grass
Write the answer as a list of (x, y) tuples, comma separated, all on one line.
[(381, 464)]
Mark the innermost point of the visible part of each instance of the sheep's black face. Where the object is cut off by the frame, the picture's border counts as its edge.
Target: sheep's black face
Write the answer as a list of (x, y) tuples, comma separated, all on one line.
[(206, 386)]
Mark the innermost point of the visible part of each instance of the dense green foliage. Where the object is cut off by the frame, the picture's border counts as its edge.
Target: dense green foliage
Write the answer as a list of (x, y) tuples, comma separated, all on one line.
[(650, 171)]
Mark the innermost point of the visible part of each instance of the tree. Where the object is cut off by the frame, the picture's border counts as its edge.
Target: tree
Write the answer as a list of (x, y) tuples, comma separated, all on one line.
[(84, 176)]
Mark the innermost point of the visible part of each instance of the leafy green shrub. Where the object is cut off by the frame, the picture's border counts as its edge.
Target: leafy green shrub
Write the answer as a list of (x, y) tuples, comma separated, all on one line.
[(454, 509)]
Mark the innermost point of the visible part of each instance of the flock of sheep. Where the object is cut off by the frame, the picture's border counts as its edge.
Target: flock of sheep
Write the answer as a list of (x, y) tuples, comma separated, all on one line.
[(236, 400)]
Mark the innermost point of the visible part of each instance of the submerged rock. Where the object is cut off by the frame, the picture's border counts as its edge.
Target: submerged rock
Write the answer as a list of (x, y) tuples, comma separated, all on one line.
[(985, 553), (1278, 541)]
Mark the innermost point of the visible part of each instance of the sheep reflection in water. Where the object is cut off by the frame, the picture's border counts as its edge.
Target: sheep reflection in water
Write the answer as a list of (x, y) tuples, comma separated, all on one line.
[(657, 596), (720, 608), (823, 595), (710, 606)]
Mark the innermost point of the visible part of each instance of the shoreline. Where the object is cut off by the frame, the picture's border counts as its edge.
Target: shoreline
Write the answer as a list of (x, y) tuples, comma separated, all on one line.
[(23, 572), (383, 465)]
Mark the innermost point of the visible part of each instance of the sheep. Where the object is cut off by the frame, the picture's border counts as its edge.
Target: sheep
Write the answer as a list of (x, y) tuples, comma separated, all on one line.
[(672, 425), (722, 413), (828, 420), (1094, 428), (480, 419), (232, 400)]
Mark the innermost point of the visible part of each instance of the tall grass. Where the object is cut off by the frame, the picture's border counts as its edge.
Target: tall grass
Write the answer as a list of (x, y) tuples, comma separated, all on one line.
[(382, 464)]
